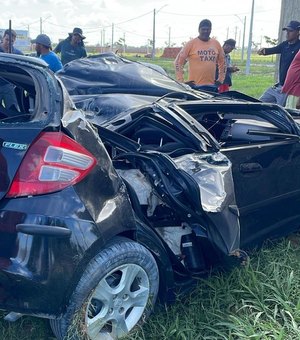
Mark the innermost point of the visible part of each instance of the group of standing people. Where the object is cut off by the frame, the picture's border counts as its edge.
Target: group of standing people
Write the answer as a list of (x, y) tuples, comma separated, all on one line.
[(69, 49), (210, 66)]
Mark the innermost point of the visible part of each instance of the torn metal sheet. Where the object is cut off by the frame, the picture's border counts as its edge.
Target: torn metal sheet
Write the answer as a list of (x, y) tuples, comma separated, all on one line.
[(212, 172), (142, 187)]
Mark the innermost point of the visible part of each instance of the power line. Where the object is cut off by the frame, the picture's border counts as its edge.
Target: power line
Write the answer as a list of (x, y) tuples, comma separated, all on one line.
[(202, 14), (132, 32), (216, 15), (103, 26)]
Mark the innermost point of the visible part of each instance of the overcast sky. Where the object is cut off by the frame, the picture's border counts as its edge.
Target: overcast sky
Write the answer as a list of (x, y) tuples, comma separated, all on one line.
[(133, 19)]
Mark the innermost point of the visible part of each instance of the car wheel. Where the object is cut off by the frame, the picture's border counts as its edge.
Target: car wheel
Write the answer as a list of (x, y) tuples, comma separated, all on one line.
[(116, 292)]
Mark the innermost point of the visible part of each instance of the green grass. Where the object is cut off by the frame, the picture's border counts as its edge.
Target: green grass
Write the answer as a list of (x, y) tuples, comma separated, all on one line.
[(260, 301), (26, 328), (261, 72)]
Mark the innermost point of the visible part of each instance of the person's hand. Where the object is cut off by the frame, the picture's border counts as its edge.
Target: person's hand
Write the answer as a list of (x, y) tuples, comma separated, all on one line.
[(218, 83), (261, 51), (190, 83), (235, 68)]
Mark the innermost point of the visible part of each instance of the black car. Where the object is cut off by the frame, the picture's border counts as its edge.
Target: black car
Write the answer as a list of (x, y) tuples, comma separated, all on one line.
[(139, 189)]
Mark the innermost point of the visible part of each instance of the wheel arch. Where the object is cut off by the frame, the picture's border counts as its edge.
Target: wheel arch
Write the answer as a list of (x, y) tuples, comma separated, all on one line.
[(144, 235)]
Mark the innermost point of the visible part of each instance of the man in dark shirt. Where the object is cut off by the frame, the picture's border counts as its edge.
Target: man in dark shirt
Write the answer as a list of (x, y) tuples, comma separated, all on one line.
[(228, 47), (287, 50), (72, 48), (4, 46), (8, 97)]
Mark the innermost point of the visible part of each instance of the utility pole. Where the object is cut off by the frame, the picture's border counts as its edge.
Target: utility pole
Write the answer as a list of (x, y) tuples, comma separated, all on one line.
[(101, 41), (41, 23), (112, 37), (124, 43), (103, 33), (244, 32), (250, 41), (153, 39), (9, 42)]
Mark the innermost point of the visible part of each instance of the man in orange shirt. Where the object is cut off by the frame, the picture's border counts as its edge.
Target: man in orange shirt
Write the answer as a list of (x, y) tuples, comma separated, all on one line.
[(203, 54)]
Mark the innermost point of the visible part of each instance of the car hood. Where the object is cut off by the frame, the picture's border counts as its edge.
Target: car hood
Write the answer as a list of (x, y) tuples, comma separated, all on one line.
[(108, 73)]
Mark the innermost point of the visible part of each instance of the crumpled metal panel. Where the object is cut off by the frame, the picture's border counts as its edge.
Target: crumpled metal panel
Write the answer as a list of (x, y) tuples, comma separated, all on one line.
[(213, 174), (172, 236), (142, 187), (108, 73), (104, 107), (104, 194)]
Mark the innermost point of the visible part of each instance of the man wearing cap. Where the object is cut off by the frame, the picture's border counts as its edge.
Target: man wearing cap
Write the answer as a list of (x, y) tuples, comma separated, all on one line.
[(203, 54), (73, 47), (228, 47), (287, 50), (43, 48)]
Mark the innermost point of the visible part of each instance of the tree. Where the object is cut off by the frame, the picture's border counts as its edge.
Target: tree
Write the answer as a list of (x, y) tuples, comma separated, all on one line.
[(169, 45), (121, 42), (271, 41)]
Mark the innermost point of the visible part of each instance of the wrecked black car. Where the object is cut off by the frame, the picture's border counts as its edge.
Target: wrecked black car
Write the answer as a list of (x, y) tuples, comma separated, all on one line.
[(141, 188), (223, 168)]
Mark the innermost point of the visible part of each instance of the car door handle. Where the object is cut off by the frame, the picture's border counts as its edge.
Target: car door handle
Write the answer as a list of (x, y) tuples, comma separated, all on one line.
[(250, 167)]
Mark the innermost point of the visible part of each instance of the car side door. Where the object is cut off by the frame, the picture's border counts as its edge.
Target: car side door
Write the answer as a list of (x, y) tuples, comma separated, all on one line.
[(267, 187)]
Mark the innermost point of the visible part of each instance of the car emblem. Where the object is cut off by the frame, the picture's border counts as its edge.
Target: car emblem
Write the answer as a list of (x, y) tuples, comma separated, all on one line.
[(16, 146)]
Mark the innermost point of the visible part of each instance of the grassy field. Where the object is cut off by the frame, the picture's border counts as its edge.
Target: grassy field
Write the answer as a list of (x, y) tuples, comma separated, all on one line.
[(261, 72), (259, 301)]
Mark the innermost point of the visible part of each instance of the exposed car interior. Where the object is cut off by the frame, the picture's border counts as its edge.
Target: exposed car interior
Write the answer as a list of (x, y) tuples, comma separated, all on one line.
[(232, 126), (230, 129), (17, 95)]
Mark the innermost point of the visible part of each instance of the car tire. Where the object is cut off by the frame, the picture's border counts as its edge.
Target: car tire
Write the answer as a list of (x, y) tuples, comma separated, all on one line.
[(117, 291)]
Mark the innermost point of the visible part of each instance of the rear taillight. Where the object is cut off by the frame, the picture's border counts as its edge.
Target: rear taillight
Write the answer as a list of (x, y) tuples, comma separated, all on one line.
[(53, 162)]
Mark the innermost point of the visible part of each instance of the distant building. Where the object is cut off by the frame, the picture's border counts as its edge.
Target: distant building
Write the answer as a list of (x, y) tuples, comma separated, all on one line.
[(171, 52)]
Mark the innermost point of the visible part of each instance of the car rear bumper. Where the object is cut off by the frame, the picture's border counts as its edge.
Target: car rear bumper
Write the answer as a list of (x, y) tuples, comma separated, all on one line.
[(42, 241)]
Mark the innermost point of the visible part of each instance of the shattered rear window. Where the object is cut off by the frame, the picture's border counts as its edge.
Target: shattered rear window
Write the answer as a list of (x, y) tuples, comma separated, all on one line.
[(27, 93)]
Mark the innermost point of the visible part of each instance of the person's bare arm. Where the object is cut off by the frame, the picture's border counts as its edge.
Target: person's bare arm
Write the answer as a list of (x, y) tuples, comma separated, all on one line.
[(298, 104), (221, 66), (180, 61)]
